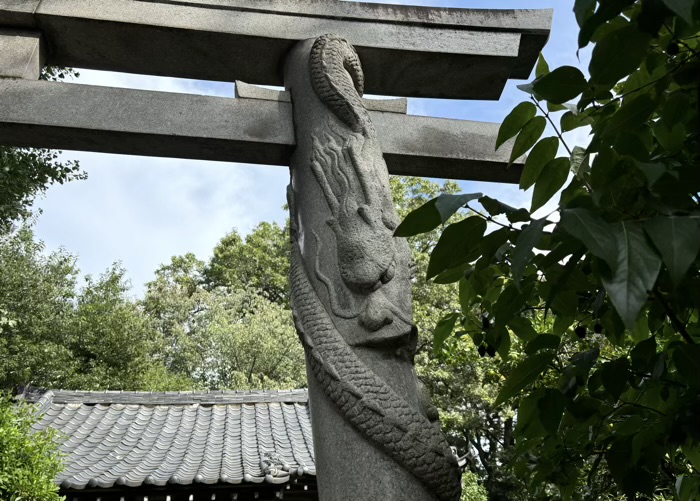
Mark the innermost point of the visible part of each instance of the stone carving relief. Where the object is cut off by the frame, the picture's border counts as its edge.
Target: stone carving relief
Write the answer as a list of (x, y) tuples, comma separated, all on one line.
[(367, 283)]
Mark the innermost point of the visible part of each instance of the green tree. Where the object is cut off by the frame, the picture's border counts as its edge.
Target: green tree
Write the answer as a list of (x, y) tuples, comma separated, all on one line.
[(36, 301), (223, 337), (111, 340), (55, 336), (260, 262), (594, 308), (29, 461)]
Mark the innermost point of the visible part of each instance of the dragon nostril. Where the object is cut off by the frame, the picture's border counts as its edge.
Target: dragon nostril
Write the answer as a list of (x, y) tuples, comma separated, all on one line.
[(375, 317)]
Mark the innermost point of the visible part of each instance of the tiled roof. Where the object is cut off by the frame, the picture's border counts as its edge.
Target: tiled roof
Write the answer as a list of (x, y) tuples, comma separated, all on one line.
[(138, 439)]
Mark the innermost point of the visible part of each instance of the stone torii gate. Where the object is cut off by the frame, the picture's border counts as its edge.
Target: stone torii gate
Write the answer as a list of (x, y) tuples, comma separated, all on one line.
[(376, 435)]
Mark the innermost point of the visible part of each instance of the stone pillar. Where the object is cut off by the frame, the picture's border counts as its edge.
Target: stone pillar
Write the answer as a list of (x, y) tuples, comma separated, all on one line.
[(22, 54), (376, 435)]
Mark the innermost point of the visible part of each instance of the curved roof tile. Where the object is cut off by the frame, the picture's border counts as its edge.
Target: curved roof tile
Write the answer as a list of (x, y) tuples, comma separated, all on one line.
[(137, 438)]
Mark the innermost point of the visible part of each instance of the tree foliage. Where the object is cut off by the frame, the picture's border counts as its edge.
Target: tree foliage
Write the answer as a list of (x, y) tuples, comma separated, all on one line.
[(58, 336), (29, 461), (593, 309), (222, 337), (261, 262)]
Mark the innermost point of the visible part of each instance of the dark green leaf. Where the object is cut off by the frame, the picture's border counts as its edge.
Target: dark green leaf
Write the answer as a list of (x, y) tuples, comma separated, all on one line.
[(433, 213), (466, 295), (570, 120), (618, 54), (683, 8), (677, 240), (607, 10), (643, 355), (525, 373), (528, 424), (583, 9), (687, 487), (676, 108), (671, 139), (543, 152), (551, 409), (527, 137), (615, 375), (693, 455), (503, 348), (631, 115), (593, 232), (562, 84), (518, 216), (619, 459), (687, 361), (495, 207), (542, 67), (455, 244), (561, 323), (515, 121), (583, 363), (443, 329), (510, 302), (540, 413), (529, 237), (652, 171), (543, 342), (550, 181), (634, 273), (452, 275), (522, 327), (490, 244)]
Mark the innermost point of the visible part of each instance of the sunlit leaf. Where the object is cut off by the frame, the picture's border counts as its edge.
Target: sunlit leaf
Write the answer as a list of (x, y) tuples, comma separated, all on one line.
[(562, 84), (515, 121), (527, 137), (433, 213), (455, 243), (443, 329), (544, 151), (550, 181)]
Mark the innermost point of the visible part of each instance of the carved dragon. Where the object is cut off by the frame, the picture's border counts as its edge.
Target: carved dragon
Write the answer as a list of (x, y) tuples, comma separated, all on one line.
[(363, 220)]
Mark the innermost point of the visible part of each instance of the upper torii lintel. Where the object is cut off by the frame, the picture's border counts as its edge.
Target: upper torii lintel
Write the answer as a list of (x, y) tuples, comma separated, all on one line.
[(405, 50)]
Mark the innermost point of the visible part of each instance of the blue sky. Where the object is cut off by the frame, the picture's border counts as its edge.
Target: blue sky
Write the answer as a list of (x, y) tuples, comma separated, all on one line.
[(141, 211)]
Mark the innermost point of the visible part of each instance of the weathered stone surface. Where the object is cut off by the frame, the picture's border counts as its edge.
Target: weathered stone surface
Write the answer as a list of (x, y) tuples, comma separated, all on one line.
[(534, 25), (21, 54), (376, 437), (248, 91), (18, 13), (462, 55), (137, 122)]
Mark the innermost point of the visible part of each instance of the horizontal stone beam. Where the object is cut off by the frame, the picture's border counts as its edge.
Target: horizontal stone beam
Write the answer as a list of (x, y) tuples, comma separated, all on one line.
[(22, 54), (136, 122), (405, 51)]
